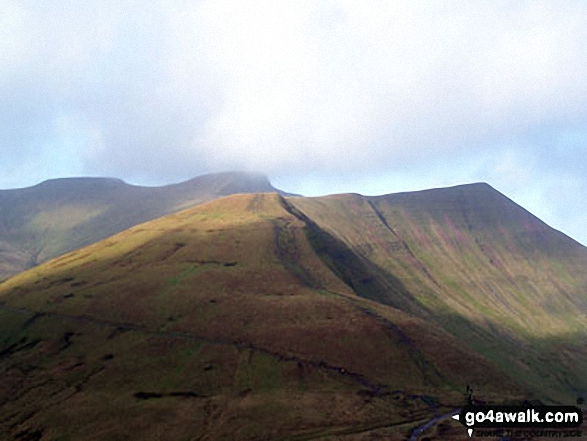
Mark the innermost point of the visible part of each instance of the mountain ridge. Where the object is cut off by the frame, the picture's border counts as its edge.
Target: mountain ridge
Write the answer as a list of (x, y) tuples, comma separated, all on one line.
[(274, 317), (234, 272), (496, 265), (59, 215)]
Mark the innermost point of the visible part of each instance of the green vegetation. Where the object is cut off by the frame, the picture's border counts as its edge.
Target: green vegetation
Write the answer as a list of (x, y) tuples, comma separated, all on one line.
[(263, 317), (57, 216), (185, 274), (477, 265)]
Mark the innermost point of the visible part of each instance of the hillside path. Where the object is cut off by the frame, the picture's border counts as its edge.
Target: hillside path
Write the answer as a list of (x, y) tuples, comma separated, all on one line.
[(431, 422), (418, 431)]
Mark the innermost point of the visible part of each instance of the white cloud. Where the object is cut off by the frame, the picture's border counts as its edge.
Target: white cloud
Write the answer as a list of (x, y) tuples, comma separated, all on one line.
[(387, 82), (165, 90)]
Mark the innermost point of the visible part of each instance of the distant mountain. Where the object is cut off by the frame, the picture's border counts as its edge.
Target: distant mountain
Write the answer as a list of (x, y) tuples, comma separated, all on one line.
[(60, 215), (259, 316)]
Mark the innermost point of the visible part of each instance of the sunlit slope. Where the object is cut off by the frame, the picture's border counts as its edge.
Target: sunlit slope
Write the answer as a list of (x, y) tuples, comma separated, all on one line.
[(56, 216), (221, 321), (480, 266)]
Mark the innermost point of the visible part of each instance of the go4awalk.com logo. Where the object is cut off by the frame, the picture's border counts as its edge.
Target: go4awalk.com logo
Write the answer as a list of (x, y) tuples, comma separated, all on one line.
[(524, 417)]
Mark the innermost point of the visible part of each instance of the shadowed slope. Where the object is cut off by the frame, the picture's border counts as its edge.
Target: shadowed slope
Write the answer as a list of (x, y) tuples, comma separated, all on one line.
[(481, 267), (223, 322), (51, 218)]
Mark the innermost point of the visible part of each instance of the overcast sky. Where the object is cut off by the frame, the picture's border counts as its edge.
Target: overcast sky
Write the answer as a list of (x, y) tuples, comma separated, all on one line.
[(323, 96)]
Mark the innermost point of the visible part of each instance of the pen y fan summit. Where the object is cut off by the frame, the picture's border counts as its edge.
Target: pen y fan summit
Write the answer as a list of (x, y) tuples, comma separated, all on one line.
[(56, 216)]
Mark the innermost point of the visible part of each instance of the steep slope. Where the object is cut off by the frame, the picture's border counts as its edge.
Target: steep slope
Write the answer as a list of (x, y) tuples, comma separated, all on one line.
[(479, 266), (57, 216), (224, 321)]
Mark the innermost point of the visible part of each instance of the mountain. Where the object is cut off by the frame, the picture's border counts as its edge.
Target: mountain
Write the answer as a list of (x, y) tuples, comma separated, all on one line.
[(478, 265), (259, 316), (60, 215)]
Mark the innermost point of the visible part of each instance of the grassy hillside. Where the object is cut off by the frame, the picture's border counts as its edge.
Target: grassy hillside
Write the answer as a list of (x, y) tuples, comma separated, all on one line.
[(49, 219), (482, 268), (222, 322), (256, 316)]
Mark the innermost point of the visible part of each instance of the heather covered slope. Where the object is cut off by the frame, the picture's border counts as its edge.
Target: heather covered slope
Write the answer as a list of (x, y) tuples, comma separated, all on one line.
[(268, 317), (220, 322), (481, 267), (51, 218)]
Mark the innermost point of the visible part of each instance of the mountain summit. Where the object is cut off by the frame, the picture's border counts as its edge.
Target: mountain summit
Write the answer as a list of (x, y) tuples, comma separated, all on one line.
[(60, 215), (261, 316)]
